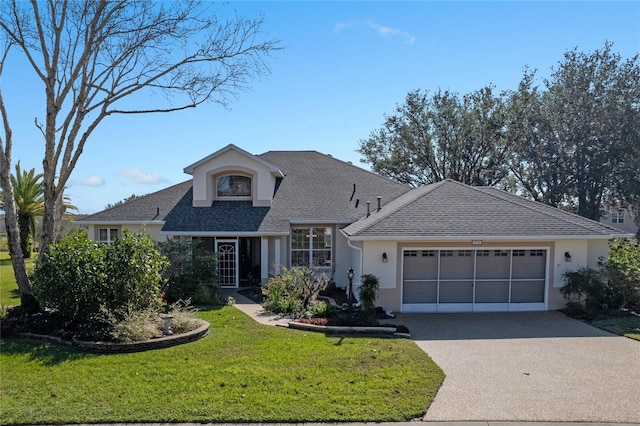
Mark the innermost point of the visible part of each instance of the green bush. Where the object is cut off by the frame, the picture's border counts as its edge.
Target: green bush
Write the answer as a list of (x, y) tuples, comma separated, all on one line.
[(192, 273), (614, 286), (82, 279), (293, 291), (321, 309), (133, 270), (368, 292), (71, 278)]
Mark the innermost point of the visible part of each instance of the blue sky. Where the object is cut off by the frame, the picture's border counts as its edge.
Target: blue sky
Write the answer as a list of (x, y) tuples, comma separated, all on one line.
[(343, 66)]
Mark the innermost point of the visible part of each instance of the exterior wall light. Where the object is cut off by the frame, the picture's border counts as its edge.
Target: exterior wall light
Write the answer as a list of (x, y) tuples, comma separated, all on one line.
[(567, 256), (384, 258)]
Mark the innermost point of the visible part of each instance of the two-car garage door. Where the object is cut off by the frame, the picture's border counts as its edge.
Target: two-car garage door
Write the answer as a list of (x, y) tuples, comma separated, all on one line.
[(455, 280)]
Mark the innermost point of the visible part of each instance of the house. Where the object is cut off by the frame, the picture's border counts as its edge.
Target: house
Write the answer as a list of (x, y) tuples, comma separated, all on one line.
[(622, 219), (441, 247)]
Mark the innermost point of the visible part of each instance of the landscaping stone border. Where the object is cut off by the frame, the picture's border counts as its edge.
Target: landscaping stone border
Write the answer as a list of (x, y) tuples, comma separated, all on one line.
[(146, 345), (346, 329)]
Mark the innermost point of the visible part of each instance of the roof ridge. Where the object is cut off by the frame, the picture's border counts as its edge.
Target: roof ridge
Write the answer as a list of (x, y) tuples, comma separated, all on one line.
[(545, 209)]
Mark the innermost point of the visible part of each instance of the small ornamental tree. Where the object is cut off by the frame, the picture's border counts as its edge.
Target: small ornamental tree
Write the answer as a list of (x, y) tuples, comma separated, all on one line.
[(293, 291)]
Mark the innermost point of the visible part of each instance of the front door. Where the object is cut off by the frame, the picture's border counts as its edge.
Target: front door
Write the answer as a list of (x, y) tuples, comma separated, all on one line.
[(227, 262)]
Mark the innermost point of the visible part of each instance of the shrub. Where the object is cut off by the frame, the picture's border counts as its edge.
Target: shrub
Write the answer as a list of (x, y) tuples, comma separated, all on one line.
[(622, 271), (133, 270), (321, 309), (615, 285), (192, 273), (70, 278), (136, 325), (81, 279), (293, 291), (368, 292)]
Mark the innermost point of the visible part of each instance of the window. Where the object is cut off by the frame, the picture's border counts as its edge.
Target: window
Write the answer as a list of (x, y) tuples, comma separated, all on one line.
[(234, 186), (518, 253), (411, 253), (499, 253), (446, 253), (464, 253), (536, 253), (482, 253), (618, 217), (107, 235), (311, 247), (428, 253)]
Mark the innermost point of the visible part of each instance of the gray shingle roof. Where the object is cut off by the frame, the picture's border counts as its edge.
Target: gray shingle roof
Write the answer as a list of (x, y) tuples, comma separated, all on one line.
[(223, 216), (316, 188), (320, 188), (451, 210), (151, 207)]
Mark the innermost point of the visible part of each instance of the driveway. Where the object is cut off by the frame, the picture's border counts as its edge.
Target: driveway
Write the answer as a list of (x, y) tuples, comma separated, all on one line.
[(534, 366)]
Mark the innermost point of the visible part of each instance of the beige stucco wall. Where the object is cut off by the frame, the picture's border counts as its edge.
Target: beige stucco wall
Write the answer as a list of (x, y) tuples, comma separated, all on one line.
[(263, 182)]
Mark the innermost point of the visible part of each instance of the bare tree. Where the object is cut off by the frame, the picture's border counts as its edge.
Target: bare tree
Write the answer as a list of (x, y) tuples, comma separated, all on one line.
[(97, 58)]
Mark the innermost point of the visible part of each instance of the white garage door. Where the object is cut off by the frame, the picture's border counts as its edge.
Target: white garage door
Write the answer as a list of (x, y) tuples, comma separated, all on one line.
[(458, 280)]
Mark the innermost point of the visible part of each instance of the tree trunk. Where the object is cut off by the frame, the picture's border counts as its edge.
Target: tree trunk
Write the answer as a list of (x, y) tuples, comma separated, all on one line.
[(28, 301)]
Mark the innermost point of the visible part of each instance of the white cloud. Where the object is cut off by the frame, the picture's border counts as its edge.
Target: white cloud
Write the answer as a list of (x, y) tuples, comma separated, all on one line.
[(88, 181), (141, 177), (382, 30)]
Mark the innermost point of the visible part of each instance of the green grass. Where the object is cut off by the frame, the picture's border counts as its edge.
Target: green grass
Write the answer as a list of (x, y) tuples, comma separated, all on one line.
[(9, 294), (626, 326), (241, 372)]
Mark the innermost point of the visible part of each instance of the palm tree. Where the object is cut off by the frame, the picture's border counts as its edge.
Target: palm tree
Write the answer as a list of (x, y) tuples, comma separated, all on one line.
[(28, 191)]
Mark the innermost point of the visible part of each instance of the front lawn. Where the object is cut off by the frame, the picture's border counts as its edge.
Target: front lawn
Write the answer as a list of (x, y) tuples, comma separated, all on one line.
[(628, 326), (9, 294), (241, 372)]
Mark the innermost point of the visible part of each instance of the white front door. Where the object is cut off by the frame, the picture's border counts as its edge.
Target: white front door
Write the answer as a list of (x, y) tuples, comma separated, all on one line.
[(227, 262)]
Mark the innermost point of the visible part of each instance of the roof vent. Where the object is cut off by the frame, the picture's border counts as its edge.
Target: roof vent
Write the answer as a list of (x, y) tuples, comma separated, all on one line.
[(379, 202), (368, 210)]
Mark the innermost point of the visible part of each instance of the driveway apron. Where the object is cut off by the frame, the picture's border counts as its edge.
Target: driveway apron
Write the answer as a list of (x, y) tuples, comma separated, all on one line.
[(533, 366)]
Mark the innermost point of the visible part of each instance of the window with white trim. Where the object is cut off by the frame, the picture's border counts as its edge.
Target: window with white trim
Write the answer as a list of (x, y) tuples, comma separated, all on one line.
[(311, 247), (107, 235), (618, 217)]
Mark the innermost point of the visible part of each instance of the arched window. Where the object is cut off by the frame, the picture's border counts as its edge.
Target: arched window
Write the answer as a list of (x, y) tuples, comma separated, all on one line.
[(233, 186)]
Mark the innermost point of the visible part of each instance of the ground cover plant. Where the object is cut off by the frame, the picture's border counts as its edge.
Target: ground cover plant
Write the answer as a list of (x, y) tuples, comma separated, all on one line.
[(241, 372)]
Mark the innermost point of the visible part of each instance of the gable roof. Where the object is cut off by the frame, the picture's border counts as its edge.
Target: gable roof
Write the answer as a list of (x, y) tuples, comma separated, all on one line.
[(315, 189), (231, 147), (450, 210)]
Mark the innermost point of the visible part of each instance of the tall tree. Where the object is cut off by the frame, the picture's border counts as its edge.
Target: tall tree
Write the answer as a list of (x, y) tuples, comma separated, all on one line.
[(584, 132), (28, 194), (94, 58), (443, 136)]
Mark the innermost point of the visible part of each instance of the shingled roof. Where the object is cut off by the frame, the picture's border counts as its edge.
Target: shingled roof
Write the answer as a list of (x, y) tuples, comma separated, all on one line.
[(144, 209), (316, 188), (451, 210)]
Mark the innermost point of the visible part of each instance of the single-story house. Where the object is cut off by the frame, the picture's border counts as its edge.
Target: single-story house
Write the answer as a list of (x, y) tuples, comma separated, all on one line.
[(442, 247)]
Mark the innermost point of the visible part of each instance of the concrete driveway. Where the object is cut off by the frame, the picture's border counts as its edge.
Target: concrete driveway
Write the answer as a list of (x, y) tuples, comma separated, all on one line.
[(534, 366)]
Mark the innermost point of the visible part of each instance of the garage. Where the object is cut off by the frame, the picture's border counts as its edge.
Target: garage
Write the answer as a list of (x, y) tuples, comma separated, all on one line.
[(479, 280)]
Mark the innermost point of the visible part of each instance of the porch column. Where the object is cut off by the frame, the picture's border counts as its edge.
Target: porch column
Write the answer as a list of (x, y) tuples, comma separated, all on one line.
[(276, 253), (264, 260)]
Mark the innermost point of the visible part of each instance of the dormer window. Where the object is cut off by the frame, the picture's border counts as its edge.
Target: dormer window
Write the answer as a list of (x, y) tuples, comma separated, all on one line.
[(233, 186)]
